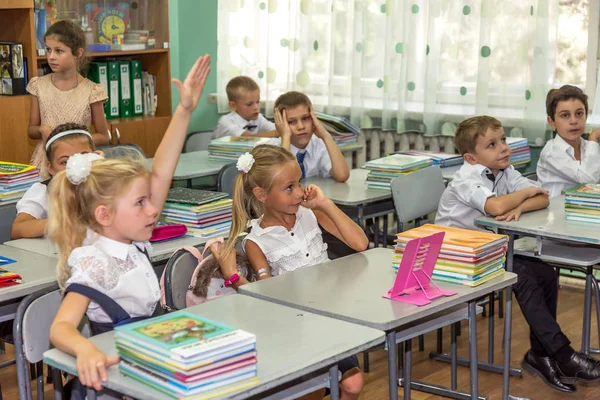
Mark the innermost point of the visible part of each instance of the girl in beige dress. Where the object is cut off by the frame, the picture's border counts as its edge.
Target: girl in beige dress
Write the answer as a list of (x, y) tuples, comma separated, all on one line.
[(64, 96)]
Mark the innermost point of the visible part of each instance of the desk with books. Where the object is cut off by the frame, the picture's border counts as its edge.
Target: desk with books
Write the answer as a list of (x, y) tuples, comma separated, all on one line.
[(195, 164), (360, 281), (290, 345)]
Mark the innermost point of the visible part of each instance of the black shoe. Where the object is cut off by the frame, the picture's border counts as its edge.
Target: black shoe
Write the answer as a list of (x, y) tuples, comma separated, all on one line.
[(580, 367), (546, 368)]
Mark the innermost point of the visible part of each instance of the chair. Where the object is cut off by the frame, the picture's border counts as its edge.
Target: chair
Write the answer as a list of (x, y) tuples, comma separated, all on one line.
[(226, 178), (31, 334), (197, 140), (178, 275), (417, 194), (123, 150)]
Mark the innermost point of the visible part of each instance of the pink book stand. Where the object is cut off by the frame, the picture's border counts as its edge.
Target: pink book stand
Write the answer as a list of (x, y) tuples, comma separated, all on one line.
[(414, 273)]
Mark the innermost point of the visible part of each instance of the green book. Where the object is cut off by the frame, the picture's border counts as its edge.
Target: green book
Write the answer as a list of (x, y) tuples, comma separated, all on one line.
[(113, 92), (125, 98), (136, 87), (591, 190), (98, 73)]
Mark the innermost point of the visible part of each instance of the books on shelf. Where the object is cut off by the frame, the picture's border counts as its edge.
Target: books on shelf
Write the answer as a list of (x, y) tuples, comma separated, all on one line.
[(205, 214), (186, 356), (467, 257), (582, 203), (383, 170), (520, 152), (15, 180), (442, 159)]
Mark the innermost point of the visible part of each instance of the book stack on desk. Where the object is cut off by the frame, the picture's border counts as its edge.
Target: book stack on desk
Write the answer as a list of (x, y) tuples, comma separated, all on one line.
[(520, 152), (442, 159), (383, 170), (230, 148), (15, 180), (185, 356), (344, 133), (205, 214), (467, 257), (582, 203)]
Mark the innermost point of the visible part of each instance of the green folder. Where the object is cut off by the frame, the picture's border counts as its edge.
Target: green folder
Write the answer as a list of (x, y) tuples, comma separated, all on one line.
[(126, 101), (113, 92), (136, 86), (98, 73)]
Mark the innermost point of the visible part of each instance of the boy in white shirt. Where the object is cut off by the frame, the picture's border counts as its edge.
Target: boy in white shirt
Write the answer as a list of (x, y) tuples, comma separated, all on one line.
[(303, 135), (568, 159), (245, 118), (487, 184)]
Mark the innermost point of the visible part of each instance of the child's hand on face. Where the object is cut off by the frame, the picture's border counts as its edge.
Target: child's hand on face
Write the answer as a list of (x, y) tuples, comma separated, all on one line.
[(191, 89), (314, 198), (281, 124), (594, 135), (319, 129), (92, 365)]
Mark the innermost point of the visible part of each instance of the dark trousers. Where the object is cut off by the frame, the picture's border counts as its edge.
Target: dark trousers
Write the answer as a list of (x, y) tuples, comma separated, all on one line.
[(537, 295), (335, 247)]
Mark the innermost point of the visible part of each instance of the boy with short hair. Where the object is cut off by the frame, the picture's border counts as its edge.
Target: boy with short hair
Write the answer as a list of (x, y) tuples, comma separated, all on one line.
[(245, 118), (487, 184), (568, 159), (303, 135)]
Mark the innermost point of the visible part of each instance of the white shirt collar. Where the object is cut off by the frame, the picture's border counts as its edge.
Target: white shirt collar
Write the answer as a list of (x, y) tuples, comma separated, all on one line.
[(114, 248), (480, 170), (243, 121), (278, 229), (310, 147), (565, 147)]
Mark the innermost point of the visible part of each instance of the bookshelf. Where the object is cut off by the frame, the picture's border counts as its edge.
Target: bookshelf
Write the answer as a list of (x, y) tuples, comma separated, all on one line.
[(17, 24)]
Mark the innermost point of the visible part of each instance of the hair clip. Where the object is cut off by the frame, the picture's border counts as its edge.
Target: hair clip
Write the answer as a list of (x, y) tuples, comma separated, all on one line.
[(79, 167), (245, 162)]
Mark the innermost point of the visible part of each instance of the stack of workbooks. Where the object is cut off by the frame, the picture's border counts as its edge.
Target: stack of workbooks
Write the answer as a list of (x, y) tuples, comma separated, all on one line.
[(383, 170), (343, 131), (442, 159), (230, 148), (467, 257), (520, 152), (15, 179), (205, 214), (582, 203), (185, 356)]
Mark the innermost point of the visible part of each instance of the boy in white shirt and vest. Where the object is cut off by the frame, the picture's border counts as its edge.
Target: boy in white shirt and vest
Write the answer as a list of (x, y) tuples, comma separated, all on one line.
[(568, 159), (245, 118), (487, 184)]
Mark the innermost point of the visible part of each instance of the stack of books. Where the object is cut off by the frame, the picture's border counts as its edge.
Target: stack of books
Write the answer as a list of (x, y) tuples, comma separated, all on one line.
[(467, 257), (230, 148), (442, 159), (383, 170), (344, 133), (15, 179), (582, 203), (185, 356), (205, 214), (520, 153)]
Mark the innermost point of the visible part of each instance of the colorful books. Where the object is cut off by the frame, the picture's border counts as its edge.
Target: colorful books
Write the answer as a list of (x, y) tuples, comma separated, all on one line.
[(442, 159), (15, 180), (184, 355), (8, 278), (193, 196), (520, 152), (232, 147), (467, 257), (383, 170), (582, 203)]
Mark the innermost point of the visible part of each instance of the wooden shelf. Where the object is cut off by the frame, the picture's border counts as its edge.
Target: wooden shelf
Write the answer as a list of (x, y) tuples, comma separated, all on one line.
[(117, 53)]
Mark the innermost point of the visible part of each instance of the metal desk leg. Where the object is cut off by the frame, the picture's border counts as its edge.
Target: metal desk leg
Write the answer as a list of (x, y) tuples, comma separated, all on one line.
[(57, 382), (392, 372), (360, 219), (508, 321), (407, 367), (376, 231), (587, 312), (91, 394), (473, 350), (453, 380), (491, 329), (334, 386), (385, 231)]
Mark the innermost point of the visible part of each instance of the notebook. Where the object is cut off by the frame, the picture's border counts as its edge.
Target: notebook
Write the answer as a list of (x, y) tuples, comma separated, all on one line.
[(193, 196)]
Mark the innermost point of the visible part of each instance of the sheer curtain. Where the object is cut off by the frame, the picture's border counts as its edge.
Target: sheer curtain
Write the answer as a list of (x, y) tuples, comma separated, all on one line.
[(397, 64)]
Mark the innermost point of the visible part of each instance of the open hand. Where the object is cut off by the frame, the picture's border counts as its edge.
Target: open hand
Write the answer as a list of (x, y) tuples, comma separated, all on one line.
[(191, 89), (281, 124), (92, 365), (594, 135), (318, 127)]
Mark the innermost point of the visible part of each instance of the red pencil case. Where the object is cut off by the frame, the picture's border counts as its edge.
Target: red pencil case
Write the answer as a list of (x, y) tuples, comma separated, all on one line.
[(166, 232)]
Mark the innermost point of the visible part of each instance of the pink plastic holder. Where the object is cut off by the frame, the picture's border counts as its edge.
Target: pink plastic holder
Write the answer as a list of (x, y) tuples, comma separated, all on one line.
[(414, 273)]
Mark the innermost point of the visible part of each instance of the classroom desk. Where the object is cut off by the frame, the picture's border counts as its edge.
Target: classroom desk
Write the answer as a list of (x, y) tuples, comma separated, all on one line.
[(194, 165), (8, 212), (290, 345), (357, 199), (360, 280), (551, 223)]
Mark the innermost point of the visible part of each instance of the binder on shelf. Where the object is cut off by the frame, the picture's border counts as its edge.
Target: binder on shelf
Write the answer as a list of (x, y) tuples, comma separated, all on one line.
[(113, 92), (136, 87), (125, 100), (98, 73)]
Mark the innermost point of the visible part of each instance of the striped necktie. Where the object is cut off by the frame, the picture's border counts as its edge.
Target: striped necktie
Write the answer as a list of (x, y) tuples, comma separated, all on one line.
[(300, 158)]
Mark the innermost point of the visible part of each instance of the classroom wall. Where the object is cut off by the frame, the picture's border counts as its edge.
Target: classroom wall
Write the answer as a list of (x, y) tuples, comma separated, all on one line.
[(193, 32)]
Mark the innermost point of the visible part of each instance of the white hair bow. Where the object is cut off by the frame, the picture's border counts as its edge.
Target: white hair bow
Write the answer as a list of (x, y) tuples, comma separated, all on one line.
[(79, 167)]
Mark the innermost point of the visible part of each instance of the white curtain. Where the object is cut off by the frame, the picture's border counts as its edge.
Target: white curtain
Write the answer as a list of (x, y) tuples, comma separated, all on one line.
[(397, 64)]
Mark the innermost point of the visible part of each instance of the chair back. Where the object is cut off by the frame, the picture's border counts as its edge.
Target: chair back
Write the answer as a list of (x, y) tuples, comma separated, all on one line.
[(178, 275), (196, 141), (226, 179)]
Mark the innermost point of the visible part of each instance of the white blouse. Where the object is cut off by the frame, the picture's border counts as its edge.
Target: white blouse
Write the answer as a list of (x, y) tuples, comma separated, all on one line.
[(287, 251), (119, 270)]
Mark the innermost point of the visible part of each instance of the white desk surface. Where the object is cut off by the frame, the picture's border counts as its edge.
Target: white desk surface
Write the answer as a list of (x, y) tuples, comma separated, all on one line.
[(194, 165), (353, 192), (161, 250), (290, 344), (550, 223), (37, 271), (351, 289)]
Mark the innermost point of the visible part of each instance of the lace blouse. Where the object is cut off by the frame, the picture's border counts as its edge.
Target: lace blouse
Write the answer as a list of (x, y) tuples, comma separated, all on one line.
[(287, 251)]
